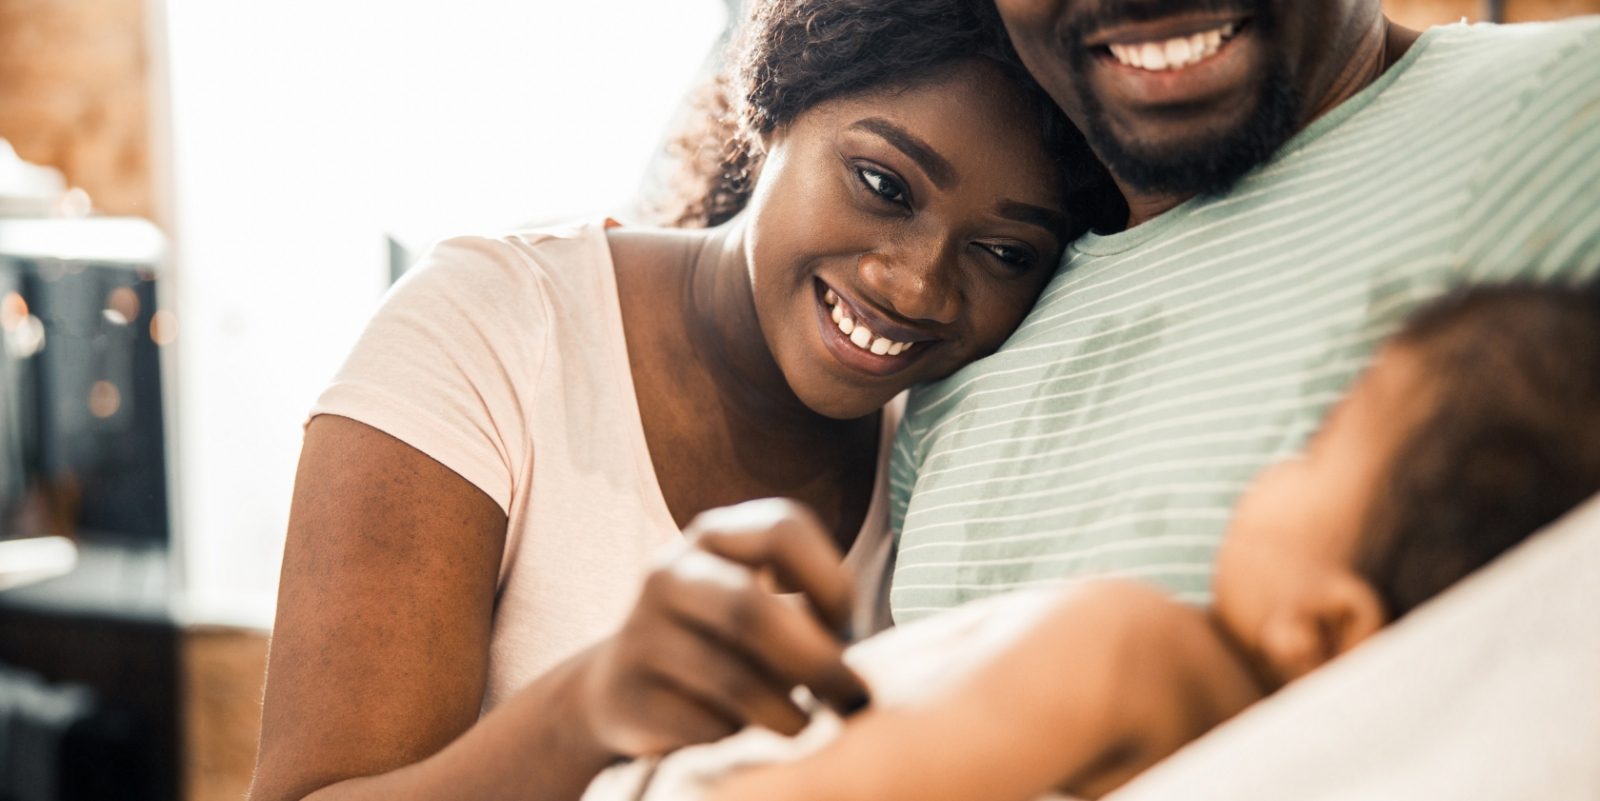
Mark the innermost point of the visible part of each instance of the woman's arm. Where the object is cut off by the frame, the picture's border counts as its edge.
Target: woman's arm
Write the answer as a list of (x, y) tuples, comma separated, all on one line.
[(1100, 683), (379, 655)]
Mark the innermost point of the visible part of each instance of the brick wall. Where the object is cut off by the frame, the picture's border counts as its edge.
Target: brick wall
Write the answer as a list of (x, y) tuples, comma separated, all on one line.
[(74, 94), (1527, 10), (1422, 13)]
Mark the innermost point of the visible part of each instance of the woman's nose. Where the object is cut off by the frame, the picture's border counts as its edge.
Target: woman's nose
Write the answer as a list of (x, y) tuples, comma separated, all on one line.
[(917, 285)]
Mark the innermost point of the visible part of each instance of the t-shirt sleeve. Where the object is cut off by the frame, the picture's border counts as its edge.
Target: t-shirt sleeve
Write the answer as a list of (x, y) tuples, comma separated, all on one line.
[(903, 465), (1534, 208), (449, 363)]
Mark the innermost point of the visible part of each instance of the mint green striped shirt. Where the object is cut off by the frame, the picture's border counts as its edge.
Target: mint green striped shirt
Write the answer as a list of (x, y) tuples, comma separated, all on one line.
[(1165, 365)]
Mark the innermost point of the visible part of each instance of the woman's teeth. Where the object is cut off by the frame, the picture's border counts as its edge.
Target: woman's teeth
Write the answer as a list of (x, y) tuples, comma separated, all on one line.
[(858, 334), (1175, 53)]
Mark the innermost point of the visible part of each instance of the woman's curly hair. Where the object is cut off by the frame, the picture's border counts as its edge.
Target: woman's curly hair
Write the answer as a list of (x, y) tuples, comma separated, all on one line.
[(794, 54)]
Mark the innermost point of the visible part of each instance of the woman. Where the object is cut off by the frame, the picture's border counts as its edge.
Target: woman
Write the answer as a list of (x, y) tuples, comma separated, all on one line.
[(528, 421)]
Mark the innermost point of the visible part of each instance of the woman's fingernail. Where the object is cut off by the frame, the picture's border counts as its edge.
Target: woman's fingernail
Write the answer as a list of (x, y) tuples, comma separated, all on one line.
[(854, 705), (846, 632)]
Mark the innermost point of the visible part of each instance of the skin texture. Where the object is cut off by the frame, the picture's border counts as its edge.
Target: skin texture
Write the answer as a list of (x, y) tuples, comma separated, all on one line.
[(1327, 50), (1107, 678), (379, 655)]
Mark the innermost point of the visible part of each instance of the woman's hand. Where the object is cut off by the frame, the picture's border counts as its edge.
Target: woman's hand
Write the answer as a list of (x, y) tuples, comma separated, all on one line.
[(380, 653), (711, 647)]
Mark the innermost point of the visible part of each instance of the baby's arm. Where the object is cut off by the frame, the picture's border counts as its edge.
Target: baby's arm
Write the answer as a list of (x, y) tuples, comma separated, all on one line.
[(1106, 679)]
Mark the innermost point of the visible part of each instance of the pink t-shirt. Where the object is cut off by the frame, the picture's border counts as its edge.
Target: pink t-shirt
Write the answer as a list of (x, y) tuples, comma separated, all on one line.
[(504, 360)]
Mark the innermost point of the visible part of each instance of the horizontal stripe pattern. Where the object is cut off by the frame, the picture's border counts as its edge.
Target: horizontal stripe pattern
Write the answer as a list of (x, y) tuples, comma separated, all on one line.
[(1166, 365)]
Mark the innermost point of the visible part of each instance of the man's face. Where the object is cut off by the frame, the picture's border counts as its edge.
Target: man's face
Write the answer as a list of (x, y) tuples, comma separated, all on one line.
[(1182, 97)]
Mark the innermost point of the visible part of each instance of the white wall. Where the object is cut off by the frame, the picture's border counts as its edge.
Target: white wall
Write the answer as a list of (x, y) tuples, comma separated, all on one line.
[(302, 131)]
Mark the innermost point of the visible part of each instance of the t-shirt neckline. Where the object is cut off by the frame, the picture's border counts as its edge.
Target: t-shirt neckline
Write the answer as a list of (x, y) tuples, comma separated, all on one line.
[(645, 471)]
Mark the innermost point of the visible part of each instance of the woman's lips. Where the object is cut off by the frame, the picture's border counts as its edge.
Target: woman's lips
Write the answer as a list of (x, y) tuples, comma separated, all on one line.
[(862, 340)]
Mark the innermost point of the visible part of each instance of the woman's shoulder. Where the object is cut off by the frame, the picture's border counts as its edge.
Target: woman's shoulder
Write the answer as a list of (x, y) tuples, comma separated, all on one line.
[(538, 260)]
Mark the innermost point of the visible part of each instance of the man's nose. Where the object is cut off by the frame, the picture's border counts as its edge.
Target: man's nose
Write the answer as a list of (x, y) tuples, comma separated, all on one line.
[(917, 283)]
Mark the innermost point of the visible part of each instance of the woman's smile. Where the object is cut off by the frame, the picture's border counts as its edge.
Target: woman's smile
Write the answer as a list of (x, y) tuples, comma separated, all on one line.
[(911, 226), (863, 340)]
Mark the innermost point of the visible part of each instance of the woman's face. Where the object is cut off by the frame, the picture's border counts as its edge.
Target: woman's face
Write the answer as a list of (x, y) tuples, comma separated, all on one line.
[(897, 235)]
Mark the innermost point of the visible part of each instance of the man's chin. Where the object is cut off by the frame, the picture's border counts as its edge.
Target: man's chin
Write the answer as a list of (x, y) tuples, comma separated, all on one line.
[(1206, 163), (1211, 168)]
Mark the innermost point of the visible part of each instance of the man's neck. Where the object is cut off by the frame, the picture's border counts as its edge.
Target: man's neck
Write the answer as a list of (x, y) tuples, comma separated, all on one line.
[(1371, 55)]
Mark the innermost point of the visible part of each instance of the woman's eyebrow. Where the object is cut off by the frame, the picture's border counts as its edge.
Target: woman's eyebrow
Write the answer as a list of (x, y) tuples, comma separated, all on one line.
[(937, 168), (1049, 219)]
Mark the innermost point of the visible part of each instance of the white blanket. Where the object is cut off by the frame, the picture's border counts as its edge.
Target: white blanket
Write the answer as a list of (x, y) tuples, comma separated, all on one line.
[(1489, 693)]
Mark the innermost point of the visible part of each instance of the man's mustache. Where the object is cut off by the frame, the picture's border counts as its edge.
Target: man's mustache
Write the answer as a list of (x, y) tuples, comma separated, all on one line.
[(1108, 13)]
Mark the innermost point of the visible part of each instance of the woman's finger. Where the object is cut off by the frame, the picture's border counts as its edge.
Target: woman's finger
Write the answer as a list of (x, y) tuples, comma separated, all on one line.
[(721, 598), (783, 537), (670, 719), (702, 668), (633, 709)]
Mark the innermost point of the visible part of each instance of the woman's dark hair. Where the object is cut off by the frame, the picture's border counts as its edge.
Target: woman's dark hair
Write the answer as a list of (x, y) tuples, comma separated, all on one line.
[(1510, 443), (794, 54)]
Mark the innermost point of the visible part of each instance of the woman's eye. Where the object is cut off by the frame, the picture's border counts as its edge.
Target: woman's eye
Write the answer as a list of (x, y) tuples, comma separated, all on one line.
[(1012, 256), (882, 185)]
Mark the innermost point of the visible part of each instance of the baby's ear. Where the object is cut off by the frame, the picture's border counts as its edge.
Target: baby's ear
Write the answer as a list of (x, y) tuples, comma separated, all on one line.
[(1336, 614)]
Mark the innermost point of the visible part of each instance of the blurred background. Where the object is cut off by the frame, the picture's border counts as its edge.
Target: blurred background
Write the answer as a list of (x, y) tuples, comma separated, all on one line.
[(201, 202)]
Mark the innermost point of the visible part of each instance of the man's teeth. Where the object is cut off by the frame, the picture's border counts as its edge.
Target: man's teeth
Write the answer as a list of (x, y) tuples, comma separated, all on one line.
[(858, 334), (1175, 53)]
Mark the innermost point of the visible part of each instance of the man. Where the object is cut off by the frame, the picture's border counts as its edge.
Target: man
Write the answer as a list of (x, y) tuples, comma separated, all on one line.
[(1299, 176)]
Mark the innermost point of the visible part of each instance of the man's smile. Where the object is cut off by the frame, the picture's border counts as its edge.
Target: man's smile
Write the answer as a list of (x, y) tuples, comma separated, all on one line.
[(1177, 97), (1166, 64), (1173, 53)]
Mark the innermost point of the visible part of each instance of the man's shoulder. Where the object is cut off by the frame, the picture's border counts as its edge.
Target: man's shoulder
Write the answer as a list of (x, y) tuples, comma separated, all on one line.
[(1533, 41), (1517, 57)]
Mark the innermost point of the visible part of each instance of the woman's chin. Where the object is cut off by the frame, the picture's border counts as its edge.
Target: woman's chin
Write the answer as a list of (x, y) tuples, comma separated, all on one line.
[(847, 404)]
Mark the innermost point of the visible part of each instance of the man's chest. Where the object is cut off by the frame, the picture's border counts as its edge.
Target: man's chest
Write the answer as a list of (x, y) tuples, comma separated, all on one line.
[(1114, 432)]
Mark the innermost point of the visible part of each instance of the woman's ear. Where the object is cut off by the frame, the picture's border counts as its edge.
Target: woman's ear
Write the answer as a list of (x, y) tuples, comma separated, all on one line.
[(1336, 614)]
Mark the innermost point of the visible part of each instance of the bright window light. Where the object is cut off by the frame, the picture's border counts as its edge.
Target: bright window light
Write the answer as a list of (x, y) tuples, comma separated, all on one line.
[(305, 131)]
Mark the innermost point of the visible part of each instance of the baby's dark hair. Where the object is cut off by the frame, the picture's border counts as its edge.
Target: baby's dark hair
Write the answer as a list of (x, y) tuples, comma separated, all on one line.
[(1511, 442), (795, 54)]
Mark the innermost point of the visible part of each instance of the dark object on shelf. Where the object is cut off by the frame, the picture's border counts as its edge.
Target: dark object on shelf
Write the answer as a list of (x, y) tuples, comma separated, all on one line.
[(82, 451), (116, 729), (82, 456), (62, 742)]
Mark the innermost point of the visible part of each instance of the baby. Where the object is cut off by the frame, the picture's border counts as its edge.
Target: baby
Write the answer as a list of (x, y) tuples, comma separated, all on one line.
[(1476, 425)]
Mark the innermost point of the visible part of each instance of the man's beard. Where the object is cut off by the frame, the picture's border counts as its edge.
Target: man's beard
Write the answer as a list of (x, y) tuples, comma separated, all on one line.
[(1207, 166)]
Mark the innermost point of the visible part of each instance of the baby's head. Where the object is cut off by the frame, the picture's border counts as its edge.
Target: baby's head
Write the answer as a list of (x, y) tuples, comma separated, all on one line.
[(1476, 425)]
